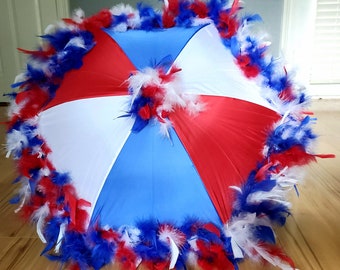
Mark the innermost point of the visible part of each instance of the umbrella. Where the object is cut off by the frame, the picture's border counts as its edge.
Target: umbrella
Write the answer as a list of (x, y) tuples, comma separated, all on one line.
[(160, 139)]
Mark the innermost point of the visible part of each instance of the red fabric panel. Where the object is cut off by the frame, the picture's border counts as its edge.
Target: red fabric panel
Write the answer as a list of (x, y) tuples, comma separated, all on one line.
[(104, 73), (224, 142)]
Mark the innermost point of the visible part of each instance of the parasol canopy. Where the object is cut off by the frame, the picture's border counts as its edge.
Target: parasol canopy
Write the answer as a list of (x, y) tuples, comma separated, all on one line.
[(158, 139)]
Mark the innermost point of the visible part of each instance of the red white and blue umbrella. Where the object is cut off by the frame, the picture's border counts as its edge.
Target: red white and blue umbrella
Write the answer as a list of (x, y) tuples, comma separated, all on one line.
[(161, 139)]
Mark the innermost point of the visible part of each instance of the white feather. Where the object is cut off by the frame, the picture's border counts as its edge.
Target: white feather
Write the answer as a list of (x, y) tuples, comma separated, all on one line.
[(50, 29), (170, 236), (147, 77), (122, 9), (201, 21), (39, 216), (276, 261), (78, 15), (122, 27), (14, 109), (240, 230), (164, 128), (60, 237), (133, 20), (192, 258), (129, 235), (238, 189), (24, 193), (174, 253), (261, 196), (20, 78), (193, 104), (16, 140), (76, 42)]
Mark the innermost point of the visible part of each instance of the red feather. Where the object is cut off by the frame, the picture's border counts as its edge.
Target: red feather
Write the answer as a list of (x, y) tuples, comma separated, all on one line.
[(29, 162), (157, 265), (168, 19), (170, 13), (227, 25), (69, 21), (74, 266), (277, 252), (101, 20), (235, 7), (109, 235), (170, 75), (34, 204), (151, 91), (212, 256), (145, 112), (48, 188), (212, 228), (199, 8), (34, 100), (263, 171), (126, 257), (249, 70), (81, 220), (295, 156), (40, 53), (287, 94)]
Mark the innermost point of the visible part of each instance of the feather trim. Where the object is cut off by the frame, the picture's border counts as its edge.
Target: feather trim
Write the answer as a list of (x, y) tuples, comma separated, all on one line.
[(52, 201)]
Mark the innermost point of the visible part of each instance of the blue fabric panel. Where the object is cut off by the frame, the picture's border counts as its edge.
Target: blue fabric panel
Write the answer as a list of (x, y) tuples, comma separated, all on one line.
[(153, 177), (150, 48)]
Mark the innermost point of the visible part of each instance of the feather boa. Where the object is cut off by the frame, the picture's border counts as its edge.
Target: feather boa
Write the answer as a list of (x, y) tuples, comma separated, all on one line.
[(48, 197)]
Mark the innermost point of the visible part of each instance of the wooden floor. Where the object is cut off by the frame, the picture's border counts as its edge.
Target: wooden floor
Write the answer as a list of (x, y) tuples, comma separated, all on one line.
[(311, 236)]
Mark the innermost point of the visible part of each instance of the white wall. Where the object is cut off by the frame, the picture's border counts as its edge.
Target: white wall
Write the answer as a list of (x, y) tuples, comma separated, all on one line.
[(297, 43), (270, 11), (21, 22), (93, 6)]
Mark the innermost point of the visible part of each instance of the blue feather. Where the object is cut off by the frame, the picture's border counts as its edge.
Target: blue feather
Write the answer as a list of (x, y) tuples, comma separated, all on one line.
[(180, 264), (250, 18), (18, 84), (185, 15), (189, 227), (35, 74), (102, 254), (118, 19), (265, 234), (59, 39), (279, 143), (276, 212), (215, 7), (75, 248), (235, 46), (17, 180), (15, 199), (139, 124), (265, 185), (87, 38), (208, 236), (229, 251), (150, 19), (150, 248), (51, 233), (60, 179)]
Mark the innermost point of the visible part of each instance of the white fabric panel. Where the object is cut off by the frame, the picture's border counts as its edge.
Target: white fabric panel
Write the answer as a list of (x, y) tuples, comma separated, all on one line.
[(208, 68), (86, 137)]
